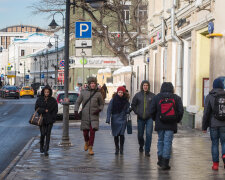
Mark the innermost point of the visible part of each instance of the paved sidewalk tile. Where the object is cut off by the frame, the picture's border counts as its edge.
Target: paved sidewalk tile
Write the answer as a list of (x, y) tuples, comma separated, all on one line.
[(191, 159)]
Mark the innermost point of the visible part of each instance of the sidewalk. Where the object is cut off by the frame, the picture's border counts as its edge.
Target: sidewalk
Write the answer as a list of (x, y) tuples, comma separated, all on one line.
[(191, 159)]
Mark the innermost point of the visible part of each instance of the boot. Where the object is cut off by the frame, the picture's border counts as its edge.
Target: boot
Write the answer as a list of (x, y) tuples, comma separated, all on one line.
[(86, 146), (90, 151), (116, 140), (224, 160), (215, 166), (165, 164), (41, 147), (46, 151), (122, 139), (159, 163)]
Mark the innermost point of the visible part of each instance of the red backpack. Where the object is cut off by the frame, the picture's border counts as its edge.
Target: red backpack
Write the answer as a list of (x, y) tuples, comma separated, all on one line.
[(167, 110)]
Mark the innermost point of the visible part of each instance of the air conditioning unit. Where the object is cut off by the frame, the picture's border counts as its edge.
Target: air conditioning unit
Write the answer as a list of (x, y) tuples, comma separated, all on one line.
[(198, 3)]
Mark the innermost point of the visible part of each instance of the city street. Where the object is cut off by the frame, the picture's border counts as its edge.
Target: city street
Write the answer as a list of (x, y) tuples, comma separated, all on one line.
[(191, 158), (15, 130)]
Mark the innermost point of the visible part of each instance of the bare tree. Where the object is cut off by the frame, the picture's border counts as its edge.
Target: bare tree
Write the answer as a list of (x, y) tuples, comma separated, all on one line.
[(117, 23)]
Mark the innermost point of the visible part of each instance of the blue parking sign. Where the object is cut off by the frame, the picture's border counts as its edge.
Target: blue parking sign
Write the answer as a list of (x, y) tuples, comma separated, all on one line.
[(83, 30)]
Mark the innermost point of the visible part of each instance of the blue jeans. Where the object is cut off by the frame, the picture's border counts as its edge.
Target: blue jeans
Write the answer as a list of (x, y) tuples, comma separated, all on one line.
[(165, 140), (216, 134), (141, 128)]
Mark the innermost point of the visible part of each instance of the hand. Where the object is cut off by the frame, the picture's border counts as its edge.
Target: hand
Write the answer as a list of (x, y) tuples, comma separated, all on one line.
[(204, 131), (97, 112), (46, 110), (76, 115)]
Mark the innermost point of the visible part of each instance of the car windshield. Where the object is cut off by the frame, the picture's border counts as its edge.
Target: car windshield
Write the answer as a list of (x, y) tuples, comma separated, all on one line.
[(72, 97), (11, 88), (26, 88)]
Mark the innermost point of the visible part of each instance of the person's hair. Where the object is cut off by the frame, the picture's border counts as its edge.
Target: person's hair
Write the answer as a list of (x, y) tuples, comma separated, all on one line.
[(125, 95)]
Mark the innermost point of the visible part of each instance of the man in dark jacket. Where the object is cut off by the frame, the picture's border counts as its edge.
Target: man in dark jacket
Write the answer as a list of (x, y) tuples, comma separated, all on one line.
[(217, 127), (141, 105), (166, 122)]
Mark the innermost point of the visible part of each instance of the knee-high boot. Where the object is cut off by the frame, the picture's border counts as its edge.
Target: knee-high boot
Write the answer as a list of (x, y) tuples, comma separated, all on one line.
[(116, 140), (122, 139)]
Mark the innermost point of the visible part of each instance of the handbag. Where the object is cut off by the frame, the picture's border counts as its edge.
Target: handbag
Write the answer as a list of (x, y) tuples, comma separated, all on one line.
[(129, 124), (80, 113), (36, 119)]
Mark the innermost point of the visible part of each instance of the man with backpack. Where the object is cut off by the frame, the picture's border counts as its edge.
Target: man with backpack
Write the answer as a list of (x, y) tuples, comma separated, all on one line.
[(140, 105), (214, 118), (166, 110)]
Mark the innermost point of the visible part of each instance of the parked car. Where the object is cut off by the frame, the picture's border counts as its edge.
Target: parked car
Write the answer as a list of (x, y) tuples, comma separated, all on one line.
[(72, 98), (1, 91), (10, 91), (39, 90), (57, 88), (27, 91)]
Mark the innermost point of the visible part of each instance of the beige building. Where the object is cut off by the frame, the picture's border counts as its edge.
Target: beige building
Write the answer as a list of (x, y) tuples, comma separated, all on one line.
[(182, 51)]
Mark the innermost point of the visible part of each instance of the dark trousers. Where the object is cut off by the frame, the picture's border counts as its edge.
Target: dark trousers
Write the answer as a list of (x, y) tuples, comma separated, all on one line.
[(117, 140), (89, 136), (45, 130)]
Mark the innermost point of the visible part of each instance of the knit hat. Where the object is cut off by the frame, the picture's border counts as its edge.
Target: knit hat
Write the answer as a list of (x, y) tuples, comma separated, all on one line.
[(92, 79), (121, 88), (218, 84)]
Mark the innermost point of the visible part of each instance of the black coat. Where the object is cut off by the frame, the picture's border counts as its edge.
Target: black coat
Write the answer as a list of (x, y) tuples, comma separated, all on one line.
[(166, 91), (51, 105)]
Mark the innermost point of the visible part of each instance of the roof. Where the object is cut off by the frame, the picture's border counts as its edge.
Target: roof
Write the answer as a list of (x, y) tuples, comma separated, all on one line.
[(139, 52)]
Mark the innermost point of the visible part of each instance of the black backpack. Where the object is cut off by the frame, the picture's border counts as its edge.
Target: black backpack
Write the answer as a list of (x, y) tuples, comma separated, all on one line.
[(167, 110), (219, 106)]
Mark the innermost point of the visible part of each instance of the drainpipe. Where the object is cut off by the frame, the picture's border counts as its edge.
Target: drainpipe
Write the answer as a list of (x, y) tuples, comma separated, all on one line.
[(179, 52)]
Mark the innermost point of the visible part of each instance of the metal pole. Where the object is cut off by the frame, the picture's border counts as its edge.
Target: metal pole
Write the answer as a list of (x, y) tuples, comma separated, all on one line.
[(47, 65), (35, 72), (83, 72), (57, 61), (40, 69), (65, 136), (24, 73)]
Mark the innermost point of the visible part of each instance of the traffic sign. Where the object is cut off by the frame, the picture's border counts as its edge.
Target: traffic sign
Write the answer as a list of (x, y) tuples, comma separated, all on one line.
[(27, 77), (83, 43), (83, 30), (9, 68), (42, 76), (62, 63)]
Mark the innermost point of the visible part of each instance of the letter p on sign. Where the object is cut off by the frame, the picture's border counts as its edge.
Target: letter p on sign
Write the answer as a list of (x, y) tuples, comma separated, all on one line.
[(83, 30)]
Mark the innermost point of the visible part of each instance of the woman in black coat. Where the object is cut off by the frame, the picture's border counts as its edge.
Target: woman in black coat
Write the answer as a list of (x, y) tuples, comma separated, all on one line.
[(48, 107)]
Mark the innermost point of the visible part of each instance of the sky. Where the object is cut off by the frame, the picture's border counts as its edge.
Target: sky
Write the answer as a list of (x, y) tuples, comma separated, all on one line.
[(14, 12)]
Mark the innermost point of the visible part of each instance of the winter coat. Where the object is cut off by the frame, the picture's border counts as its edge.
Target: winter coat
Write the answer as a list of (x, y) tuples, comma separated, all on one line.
[(51, 105), (166, 91), (208, 118), (95, 104), (118, 120), (138, 103)]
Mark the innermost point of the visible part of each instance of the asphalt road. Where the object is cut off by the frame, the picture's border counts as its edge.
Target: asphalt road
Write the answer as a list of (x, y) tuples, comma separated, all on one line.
[(15, 131)]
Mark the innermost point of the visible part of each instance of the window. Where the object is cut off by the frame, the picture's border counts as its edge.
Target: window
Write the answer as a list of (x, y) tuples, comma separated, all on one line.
[(34, 50), (126, 16), (22, 52), (143, 15)]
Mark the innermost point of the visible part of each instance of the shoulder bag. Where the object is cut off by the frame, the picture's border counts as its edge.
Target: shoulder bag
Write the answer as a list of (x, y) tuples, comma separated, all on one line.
[(36, 119)]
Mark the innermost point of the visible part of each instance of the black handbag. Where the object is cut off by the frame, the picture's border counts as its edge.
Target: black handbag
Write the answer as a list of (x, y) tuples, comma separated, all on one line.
[(80, 113), (36, 119), (129, 124)]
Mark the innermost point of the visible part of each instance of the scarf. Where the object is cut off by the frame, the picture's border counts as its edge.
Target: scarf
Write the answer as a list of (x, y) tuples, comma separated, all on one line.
[(119, 104)]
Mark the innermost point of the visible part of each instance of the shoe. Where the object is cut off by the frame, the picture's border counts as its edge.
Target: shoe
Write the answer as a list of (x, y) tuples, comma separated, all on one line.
[(147, 154), (46, 153), (41, 149), (141, 150), (86, 146), (121, 151), (90, 150), (165, 164), (215, 166), (159, 163), (117, 150)]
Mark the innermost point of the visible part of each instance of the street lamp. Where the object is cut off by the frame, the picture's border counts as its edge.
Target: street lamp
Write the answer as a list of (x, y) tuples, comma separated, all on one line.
[(35, 63), (53, 24), (65, 136)]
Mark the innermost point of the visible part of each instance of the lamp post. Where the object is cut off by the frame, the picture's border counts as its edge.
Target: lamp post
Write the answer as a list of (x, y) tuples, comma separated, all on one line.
[(35, 61), (65, 137), (57, 56)]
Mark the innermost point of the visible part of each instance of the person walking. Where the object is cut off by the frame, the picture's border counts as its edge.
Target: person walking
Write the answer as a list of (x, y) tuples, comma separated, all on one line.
[(166, 110), (92, 103), (117, 114), (214, 118), (141, 105), (48, 107)]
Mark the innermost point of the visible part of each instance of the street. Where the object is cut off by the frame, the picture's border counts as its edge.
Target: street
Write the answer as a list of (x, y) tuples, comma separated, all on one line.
[(15, 130)]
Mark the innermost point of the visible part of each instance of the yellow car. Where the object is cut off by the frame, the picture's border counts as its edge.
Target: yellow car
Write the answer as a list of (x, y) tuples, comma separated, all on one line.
[(27, 91)]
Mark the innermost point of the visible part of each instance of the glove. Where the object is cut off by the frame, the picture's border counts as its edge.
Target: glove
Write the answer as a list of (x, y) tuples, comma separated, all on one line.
[(76, 115), (97, 112)]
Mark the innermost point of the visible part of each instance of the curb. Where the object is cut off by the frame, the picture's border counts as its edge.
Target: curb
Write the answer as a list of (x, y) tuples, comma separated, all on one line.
[(13, 163)]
